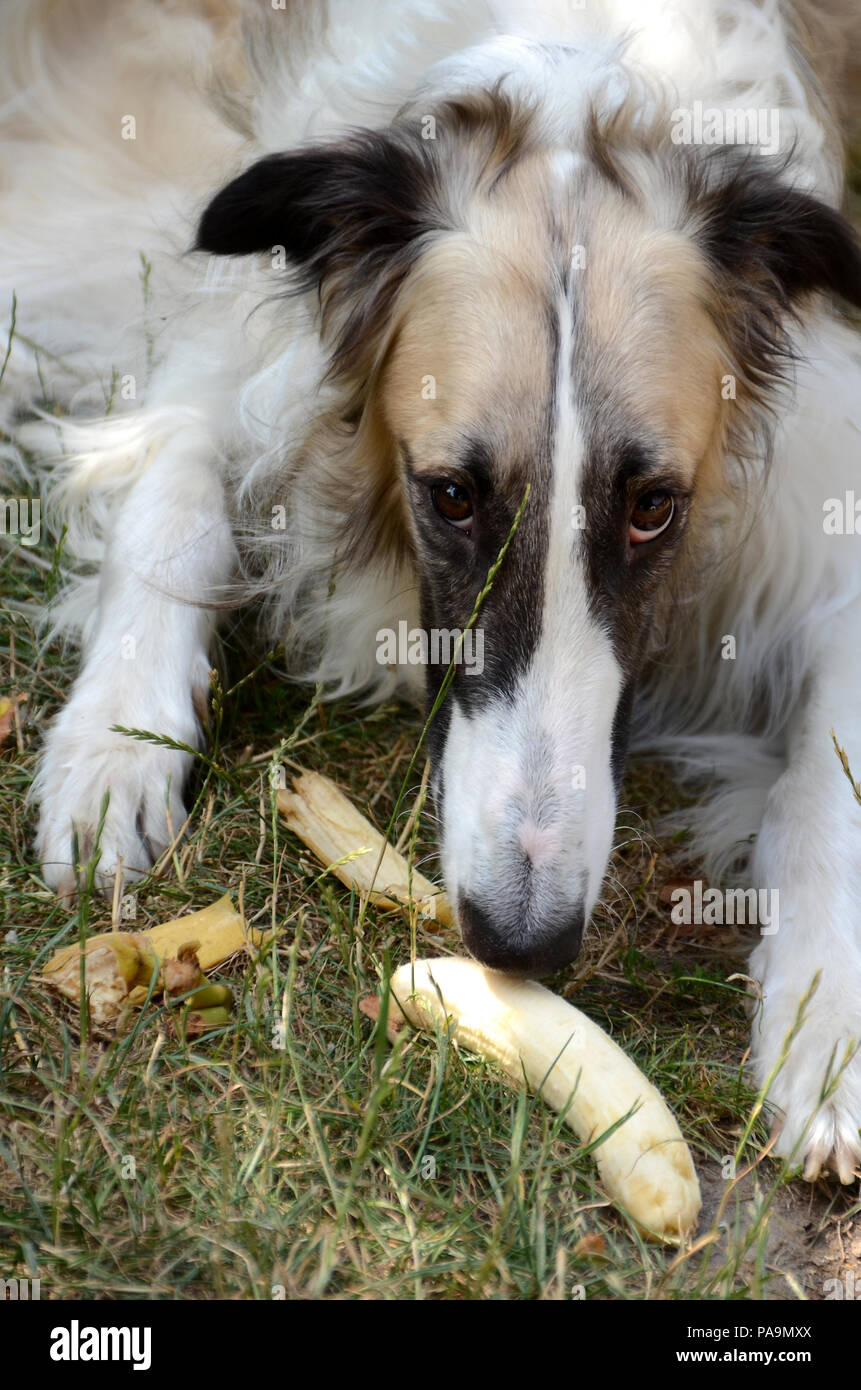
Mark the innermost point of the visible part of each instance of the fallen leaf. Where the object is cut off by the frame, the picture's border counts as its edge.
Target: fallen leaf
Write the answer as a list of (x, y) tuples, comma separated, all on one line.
[(370, 1007), (591, 1244)]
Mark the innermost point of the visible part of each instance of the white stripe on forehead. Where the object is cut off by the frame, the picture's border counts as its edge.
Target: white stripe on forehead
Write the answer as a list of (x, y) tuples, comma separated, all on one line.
[(574, 680), (535, 768), (571, 689)]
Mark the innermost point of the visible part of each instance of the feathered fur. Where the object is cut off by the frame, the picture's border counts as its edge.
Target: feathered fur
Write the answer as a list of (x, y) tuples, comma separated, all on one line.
[(238, 236)]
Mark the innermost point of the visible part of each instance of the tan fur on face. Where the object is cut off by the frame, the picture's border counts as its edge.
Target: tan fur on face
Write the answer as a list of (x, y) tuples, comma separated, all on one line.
[(473, 353), (476, 318), (476, 334), (464, 349), (647, 345)]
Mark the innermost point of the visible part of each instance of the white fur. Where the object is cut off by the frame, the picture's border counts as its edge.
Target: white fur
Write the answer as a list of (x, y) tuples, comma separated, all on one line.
[(224, 396), (146, 662), (791, 597), (533, 771)]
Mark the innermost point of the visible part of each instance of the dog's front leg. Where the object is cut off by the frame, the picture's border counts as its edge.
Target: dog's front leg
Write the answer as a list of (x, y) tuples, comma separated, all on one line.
[(146, 666), (809, 849)]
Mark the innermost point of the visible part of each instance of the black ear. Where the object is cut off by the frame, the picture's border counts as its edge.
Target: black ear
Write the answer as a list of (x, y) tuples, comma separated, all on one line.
[(366, 199), (769, 246), (758, 230)]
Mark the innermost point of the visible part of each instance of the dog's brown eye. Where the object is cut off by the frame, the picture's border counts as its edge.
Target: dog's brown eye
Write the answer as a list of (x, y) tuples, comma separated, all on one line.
[(652, 514), (454, 503)]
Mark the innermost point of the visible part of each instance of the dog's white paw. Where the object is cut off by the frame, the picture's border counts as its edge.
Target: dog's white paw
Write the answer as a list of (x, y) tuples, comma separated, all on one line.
[(83, 760), (817, 1091)]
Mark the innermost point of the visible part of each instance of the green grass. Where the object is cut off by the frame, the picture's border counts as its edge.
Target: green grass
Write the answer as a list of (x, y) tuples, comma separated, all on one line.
[(295, 1153), (331, 1165)]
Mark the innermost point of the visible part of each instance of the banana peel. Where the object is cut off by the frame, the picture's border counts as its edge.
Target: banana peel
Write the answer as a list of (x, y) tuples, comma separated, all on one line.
[(349, 846), (197, 1021), (119, 966), (113, 967)]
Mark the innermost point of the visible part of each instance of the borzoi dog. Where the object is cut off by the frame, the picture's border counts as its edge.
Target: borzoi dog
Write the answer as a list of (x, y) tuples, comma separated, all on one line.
[(332, 295)]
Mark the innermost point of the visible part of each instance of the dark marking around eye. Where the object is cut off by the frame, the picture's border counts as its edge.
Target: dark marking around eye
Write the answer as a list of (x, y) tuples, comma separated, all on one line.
[(634, 461), (477, 460), (625, 570)]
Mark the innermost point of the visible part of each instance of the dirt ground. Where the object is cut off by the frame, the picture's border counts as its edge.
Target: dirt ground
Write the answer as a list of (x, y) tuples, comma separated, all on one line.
[(812, 1237)]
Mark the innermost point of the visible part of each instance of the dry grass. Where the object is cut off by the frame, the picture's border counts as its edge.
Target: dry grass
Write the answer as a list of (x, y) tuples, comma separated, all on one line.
[(294, 1151)]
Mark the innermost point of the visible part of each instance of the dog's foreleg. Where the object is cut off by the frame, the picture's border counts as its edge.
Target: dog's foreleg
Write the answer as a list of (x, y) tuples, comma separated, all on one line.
[(809, 850), (146, 666)]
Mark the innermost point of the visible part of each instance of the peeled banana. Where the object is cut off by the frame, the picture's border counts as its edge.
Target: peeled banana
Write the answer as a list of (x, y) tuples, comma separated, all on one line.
[(645, 1164)]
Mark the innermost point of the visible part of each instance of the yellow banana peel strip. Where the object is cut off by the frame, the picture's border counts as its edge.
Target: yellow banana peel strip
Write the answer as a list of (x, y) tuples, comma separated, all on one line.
[(121, 964), (349, 846)]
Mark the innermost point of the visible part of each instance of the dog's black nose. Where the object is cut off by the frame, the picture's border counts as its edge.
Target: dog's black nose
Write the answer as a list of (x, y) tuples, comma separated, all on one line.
[(521, 948)]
